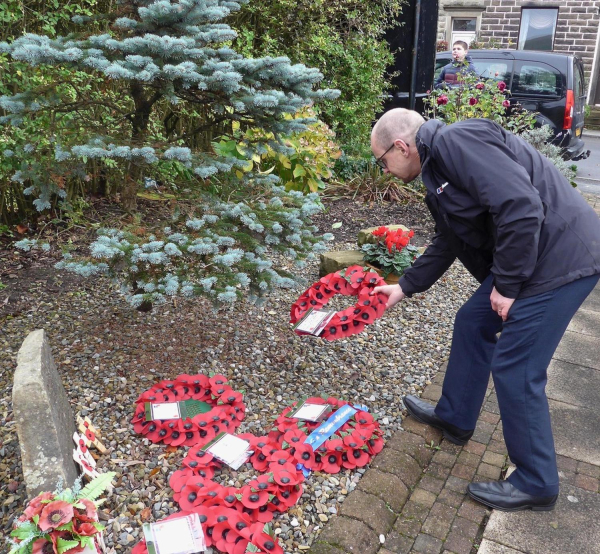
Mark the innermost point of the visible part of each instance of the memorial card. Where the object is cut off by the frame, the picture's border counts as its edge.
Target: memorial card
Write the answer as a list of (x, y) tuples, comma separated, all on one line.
[(314, 321), (175, 410), (182, 535), (229, 449), (310, 412)]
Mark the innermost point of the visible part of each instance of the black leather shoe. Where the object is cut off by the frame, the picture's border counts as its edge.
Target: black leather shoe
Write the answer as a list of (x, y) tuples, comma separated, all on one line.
[(501, 495), (424, 412)]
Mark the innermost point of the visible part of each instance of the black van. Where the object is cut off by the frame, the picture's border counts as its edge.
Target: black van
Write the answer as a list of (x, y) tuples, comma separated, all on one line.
[(549, 83)]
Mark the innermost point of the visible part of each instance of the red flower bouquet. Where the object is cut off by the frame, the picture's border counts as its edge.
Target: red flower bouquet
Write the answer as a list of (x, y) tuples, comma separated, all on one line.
[(65, 520), (391, 252)]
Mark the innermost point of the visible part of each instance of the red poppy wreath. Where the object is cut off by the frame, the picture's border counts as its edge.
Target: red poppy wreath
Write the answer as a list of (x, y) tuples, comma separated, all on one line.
[(354, 281), (225, 416), (234, 519)]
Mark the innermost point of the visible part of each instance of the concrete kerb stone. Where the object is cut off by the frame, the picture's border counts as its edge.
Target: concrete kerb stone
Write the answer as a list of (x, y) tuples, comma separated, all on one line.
[(44, 419)]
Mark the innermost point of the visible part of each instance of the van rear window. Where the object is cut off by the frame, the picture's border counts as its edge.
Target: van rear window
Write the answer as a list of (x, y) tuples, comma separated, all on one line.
[(537, 78)]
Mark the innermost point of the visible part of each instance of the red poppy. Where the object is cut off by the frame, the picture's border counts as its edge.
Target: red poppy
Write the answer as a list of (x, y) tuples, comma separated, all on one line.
[(43, 546), (375, 445), (262, 514), (217, 381), (89, 435), (259, 461), (364, 418), (366, 315), (140, 548), (294, 436), (227, 495), (191, 496), (335, 445), (85, 529), (35, 506), (356, 327), (332, 462), (289, 496), (253, 498), (287, 477), (305, 455), (55, 514), (266, 543), (358, 457)]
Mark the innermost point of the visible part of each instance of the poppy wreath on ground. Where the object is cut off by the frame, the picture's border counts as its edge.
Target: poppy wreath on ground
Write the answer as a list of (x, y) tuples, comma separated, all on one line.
[(353, 281), (226, 414), (233, 519)]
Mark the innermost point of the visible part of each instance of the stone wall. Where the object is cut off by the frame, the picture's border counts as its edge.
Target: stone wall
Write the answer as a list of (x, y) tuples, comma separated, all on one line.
[(576, 30)]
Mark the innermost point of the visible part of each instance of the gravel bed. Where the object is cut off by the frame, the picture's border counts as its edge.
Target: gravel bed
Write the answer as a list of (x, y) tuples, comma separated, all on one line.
[(108, 354)]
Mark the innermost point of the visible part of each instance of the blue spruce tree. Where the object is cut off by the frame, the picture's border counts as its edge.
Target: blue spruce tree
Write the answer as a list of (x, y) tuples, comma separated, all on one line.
[(166, 57)]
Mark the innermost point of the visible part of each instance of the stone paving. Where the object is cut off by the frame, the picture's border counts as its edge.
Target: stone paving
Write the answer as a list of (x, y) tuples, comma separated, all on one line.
[(413, 498)]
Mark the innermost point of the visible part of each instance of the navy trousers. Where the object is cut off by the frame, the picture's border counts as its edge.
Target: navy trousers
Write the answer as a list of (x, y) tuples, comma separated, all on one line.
[(518, 362)]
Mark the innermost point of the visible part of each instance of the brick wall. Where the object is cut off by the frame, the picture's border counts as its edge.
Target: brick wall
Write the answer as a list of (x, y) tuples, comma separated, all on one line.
[(576, 29)]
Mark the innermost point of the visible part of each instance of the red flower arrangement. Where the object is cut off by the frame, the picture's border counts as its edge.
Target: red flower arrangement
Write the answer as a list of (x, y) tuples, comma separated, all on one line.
[(234, 519), (226, 415), (53, 523), (354, 281)]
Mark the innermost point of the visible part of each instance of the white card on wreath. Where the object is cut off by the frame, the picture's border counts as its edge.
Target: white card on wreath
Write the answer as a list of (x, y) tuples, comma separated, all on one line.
[(311, 412), (182, 535), (230, 449), (166, 410), (314, 321)]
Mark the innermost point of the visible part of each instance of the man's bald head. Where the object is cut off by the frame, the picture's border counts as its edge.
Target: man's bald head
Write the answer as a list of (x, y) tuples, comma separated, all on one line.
[(396, 124)]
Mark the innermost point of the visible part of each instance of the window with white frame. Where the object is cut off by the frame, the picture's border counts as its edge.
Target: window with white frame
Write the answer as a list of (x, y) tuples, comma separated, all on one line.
[(463, 28), (538, 26)]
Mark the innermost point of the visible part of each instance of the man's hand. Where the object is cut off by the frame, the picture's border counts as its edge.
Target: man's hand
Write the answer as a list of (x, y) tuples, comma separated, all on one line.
[(500, 303), (393, 292)]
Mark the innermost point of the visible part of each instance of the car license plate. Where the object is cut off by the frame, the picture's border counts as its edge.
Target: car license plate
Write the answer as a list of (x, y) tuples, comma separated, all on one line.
[(578, 132)]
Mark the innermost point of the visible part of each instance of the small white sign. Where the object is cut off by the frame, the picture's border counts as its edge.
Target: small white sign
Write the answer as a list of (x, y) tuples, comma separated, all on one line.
[(182, 535), (314, 322), (231, 450), (311, 412), (166, 410)]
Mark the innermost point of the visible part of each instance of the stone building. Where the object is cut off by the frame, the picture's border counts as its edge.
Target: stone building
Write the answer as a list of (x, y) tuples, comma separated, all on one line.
[(563, 26)]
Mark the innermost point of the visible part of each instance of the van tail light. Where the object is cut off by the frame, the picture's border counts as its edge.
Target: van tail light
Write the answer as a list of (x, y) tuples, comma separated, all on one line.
[(569, 110)]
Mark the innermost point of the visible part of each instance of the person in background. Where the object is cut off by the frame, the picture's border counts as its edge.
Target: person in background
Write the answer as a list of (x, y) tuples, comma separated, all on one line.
[(533, 243), (461, 64)]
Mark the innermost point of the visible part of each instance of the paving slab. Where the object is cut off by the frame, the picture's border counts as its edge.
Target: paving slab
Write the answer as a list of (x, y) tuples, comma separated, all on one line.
[(571, 527), (579, 349), (489, 547), (576, 431), (592, 302), (586, 322), (573, 384)]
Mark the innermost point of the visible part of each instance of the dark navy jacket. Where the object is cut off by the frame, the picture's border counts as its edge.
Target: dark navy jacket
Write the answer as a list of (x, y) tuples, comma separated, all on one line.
[(450, 74), (500, 207)]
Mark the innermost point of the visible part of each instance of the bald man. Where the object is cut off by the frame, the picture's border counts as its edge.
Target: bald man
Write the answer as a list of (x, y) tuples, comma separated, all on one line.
[(533, 243)]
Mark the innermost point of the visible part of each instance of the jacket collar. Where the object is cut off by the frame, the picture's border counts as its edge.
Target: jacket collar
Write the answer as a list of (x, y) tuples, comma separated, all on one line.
[(425, 137)]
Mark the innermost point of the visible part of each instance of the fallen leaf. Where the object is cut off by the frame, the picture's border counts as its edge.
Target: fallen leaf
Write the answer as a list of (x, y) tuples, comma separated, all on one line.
[(554, 524), (154, 471), (573, 499), (146, 514), (22, 229), (336, 225), (170, 449)]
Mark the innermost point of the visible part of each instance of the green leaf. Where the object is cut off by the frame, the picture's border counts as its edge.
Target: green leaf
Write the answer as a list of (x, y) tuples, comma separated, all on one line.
[(336, 225), (64, 545), (299, 171), (24, 531), (66, 527), (96, 487)]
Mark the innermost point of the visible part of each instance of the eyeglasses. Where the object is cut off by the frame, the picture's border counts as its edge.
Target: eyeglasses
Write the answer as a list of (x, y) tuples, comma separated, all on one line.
[(379, 161)]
